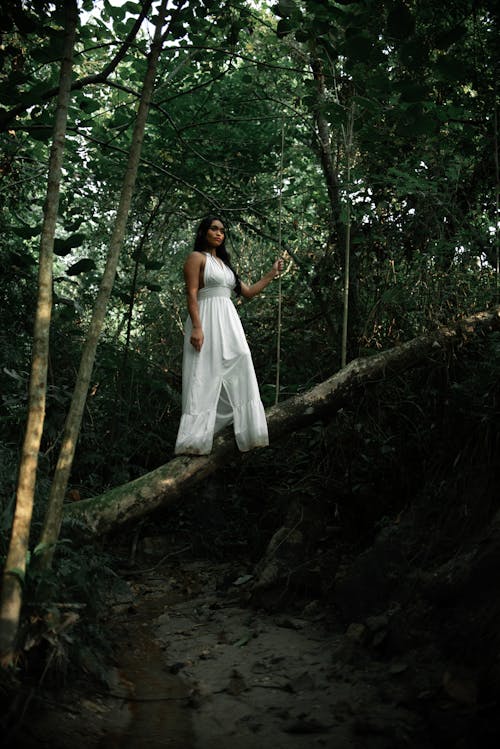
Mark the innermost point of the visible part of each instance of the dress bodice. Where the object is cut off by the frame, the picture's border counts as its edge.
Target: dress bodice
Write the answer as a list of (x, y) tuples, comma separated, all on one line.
[(216, 273)]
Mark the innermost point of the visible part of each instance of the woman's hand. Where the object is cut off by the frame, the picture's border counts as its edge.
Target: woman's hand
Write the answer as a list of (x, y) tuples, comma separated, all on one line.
[(197, 338), (250, 291), (278, 266)]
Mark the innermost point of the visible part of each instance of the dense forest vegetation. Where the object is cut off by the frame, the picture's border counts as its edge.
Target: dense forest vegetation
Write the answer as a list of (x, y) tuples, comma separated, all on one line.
[(359, 140)]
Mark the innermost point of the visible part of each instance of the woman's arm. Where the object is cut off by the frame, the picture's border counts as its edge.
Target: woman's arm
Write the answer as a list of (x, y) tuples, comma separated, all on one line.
[(192, 270), (250, 291)]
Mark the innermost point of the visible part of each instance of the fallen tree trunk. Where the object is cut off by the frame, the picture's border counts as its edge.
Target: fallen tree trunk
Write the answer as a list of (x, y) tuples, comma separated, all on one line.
[(99, 515)]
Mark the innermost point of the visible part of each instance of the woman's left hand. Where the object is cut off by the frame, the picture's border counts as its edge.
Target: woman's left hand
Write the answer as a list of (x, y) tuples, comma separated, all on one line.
[(278, 266)]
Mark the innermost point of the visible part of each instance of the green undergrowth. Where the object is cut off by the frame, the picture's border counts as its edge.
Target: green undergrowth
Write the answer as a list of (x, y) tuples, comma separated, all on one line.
[(63, 635)]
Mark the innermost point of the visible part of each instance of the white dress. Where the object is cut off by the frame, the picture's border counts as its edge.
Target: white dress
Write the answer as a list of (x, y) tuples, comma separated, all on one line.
[(219, 386)]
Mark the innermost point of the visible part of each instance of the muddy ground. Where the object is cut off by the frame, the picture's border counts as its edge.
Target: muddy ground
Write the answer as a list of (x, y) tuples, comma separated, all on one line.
[(197, 665)]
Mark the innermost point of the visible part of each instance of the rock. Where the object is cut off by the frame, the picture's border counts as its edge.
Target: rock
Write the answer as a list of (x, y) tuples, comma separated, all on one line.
[(357, 632), (174, 668), (289, 622), (302, 683), (398, 668), (242, 580), (154, 546), (461, 689), (376, 623), (237, 684), (348, 653)]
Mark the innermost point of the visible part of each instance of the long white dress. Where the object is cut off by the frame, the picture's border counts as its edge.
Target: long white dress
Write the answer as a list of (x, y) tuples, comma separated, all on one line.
[(219, 386)]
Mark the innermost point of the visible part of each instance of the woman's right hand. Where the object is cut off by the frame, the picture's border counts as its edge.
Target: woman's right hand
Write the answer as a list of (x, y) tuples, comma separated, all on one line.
[(197, 338)]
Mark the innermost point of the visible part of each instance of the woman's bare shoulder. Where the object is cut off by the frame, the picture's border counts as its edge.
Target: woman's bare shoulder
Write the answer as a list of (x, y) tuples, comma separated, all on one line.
[(195, 259)]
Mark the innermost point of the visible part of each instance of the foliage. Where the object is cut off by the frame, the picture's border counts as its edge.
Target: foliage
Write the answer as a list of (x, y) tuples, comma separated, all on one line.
[(64, 614)]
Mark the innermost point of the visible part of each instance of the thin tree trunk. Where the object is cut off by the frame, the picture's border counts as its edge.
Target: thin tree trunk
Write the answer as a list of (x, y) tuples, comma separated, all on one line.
[(347, 268), (161, 487), (15, 566), (337, 229), (497, 196), (348, 133), (53, 517), (326, 156)]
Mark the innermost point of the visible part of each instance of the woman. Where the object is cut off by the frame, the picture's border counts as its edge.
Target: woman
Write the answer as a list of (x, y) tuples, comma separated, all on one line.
[(219, 386)]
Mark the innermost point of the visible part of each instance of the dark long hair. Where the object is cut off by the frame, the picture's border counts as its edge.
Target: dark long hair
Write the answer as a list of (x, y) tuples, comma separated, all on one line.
[(200, 246)]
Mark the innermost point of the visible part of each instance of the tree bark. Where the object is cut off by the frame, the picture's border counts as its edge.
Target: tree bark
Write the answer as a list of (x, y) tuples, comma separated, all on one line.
[(15, 565), (162, 486), (53, 517)]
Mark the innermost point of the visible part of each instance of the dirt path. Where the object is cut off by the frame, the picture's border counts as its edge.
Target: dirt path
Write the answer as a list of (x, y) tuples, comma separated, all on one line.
[(199, 669)]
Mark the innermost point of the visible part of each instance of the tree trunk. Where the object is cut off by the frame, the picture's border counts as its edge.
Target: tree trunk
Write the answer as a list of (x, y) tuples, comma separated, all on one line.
[(15, 565), (348, 133), (162, 486), (53, 517), (326, 156)]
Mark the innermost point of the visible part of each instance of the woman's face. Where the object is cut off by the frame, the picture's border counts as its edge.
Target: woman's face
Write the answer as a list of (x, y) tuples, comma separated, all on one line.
[(215, 234)]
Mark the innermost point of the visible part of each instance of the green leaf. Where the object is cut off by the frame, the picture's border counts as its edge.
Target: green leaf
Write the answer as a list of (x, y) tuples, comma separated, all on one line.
[(414, 53), (425, 125), (89, 105), (18, 573), (413, 92), (41, 133), (21, 261), (35, 93), (400, 22), (27, 232), (358, 47), (82, 266), (446, 38), (420, 124), (133, 8), (450, 69), (63, 247), (284, 27), (118, 13), (153, 287), (39, 548), (285, 8), (302, 36), (75, 224)]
